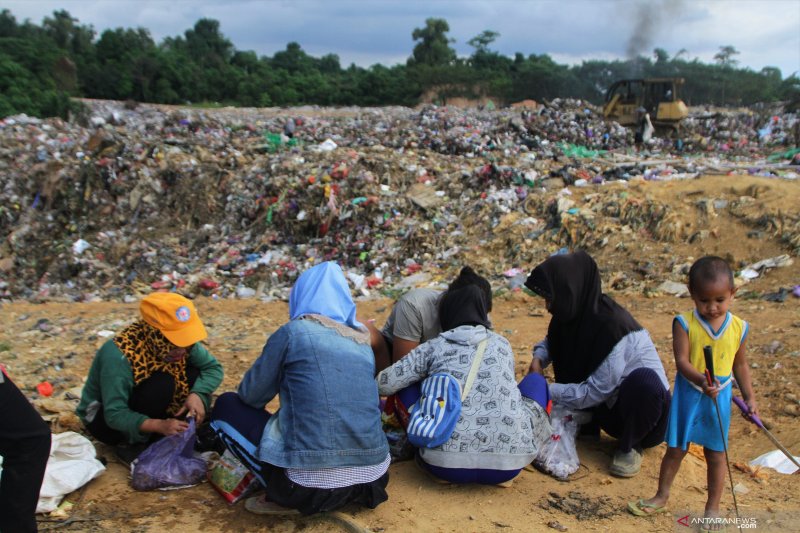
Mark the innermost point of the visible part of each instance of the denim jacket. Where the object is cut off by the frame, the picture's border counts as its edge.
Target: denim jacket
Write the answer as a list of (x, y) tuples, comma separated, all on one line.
[(329, 415)]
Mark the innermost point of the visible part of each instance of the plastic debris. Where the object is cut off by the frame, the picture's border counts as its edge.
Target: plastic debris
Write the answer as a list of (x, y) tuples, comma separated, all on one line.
[(228, 203)]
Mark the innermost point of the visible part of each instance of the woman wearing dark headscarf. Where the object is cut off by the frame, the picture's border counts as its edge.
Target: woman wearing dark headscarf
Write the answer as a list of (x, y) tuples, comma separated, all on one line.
[(603, 360), (324, 447), (501, 428)]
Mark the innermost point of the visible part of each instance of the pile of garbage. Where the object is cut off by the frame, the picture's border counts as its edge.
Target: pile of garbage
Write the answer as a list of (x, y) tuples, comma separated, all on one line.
[(124, 200)]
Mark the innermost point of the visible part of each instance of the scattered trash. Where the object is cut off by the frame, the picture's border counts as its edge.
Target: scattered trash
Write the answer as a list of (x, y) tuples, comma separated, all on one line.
[(676, 289), (44, 388), (779, 296), (581, 506), (72, 464), (251, 204), (777, 461), (231, 478), (559, 456)]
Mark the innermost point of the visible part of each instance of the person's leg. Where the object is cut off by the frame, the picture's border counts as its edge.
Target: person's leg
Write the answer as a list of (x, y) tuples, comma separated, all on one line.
[(410, 395), (25, 447), (101, 431), (240, 427), (715, 463), (638, 418), (153, 395), (309, 500), (150, 397), (534, 386), (670, 465), (480, 476)]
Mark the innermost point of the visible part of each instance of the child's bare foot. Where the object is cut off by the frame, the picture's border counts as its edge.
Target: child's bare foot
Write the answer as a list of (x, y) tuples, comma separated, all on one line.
[(712, 523)]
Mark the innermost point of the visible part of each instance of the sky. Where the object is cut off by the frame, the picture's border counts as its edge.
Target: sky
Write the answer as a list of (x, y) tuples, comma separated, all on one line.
[(366, 32)]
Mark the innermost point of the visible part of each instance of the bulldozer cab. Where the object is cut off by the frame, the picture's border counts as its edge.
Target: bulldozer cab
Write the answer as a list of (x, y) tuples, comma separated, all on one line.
[(627, 99)]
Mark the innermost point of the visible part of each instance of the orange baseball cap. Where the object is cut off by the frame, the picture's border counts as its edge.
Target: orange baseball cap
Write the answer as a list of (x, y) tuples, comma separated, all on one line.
[(174, 316)]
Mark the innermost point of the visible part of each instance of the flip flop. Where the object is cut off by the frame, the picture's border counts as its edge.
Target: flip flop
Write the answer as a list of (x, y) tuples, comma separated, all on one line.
[(260, 505), (638, 508)]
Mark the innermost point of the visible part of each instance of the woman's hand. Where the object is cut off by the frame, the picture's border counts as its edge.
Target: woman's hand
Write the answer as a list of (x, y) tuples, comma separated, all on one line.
[(173, 426), (536, 366), (170, 426), (193, 406)]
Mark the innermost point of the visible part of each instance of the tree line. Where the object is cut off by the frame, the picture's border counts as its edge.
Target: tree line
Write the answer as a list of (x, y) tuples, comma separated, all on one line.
[(43, 66)]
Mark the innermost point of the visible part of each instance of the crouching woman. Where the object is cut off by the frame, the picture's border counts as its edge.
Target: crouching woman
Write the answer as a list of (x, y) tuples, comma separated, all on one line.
[(324, 448), (149, 377), (502, 425)]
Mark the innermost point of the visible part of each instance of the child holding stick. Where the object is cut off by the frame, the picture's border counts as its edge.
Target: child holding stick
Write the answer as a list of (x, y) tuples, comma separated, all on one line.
[(693, 417)]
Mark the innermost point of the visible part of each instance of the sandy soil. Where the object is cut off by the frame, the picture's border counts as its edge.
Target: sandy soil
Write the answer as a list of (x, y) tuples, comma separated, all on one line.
[(591, 501)]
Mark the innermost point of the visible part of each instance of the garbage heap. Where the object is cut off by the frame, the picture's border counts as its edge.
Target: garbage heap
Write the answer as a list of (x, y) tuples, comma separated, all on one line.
[(124, 199)]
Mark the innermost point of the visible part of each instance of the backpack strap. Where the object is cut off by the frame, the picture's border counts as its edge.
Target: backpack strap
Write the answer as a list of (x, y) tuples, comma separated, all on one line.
[(476, 362)]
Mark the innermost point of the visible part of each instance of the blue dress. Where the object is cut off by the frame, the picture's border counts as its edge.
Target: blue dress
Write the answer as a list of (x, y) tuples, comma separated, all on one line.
[(693, 416)]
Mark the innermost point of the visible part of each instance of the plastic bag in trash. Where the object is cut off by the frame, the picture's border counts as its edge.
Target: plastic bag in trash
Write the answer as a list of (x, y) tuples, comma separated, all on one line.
[(169, 462), (71, 465), (559, 457), (231, 478)]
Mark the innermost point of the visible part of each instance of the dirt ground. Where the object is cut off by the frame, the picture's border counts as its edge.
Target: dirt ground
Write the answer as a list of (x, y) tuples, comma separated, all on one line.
[(56, 342)]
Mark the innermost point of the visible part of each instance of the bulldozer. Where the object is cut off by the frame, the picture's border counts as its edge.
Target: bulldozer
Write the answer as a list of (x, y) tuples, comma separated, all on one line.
[(627, 100)]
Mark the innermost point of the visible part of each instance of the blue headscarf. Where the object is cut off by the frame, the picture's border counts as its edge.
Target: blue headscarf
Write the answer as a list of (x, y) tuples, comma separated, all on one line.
[(323, 290)]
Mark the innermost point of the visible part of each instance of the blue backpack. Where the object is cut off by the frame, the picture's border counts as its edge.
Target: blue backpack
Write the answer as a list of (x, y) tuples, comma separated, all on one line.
[(433, 417)]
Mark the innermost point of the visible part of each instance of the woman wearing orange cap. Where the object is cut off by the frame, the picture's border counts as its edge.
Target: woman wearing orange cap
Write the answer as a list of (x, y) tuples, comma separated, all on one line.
[(149, 376)]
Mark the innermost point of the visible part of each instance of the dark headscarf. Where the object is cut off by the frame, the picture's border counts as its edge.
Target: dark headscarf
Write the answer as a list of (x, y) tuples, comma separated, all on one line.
[(586, 324), (466, 306)]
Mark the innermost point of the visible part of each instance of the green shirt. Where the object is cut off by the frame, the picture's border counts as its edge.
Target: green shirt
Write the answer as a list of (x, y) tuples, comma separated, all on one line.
[(110, 384)]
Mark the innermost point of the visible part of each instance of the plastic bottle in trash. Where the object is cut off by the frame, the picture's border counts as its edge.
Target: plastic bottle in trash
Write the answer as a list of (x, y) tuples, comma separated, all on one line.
[(245, 292)]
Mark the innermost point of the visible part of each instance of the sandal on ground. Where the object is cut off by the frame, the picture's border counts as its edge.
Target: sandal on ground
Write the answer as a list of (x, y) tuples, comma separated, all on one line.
[(638, 508), (261, 505)]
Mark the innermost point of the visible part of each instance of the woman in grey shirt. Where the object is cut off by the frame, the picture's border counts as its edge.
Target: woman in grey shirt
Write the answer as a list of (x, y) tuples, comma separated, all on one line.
[(501, 427), (604, 360)]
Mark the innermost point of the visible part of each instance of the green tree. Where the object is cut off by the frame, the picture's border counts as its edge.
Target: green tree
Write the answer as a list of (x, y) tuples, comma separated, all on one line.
[(433, 48), (661, 56), (482, 41), (293, 59), (74, 40), (725, 55), (128, 65), (8, 24), (485, 59)]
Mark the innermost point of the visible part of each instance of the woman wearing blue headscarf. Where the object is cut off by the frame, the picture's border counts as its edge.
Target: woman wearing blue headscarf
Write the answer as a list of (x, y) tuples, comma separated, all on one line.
[(324, 447)]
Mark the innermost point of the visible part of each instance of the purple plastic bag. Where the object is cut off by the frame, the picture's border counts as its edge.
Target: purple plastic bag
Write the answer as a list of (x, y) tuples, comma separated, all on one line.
[(169, 463)]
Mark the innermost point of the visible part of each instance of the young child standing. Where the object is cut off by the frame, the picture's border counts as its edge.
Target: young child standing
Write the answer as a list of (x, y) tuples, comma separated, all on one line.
[(693, 417)]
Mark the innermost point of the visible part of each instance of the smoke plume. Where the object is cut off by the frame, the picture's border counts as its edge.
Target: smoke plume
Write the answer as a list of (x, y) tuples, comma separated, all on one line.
[(650, 18)]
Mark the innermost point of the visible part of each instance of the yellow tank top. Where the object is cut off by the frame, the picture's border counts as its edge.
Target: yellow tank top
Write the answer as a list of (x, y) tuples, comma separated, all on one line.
[(724, 343)]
